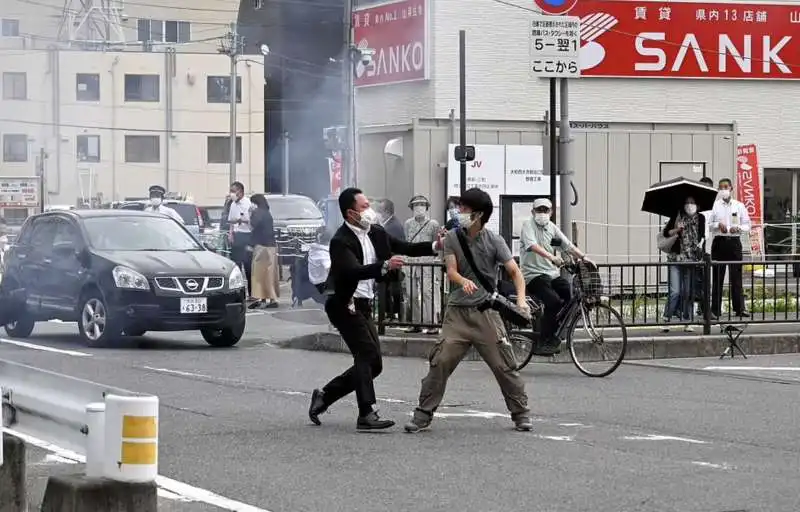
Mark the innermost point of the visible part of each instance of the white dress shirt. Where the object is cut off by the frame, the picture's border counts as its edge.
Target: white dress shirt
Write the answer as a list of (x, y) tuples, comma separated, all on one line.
[(319, 263), (240, 210), (723, 213), (365, 289), (165, 210), (707, 233)]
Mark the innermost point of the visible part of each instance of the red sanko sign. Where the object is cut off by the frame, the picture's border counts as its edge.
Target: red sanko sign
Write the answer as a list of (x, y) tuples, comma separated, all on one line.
[(621, 38), (398, 33)]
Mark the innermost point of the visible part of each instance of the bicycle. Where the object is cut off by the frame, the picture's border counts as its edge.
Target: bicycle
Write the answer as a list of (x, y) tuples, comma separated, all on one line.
[(586, 305)]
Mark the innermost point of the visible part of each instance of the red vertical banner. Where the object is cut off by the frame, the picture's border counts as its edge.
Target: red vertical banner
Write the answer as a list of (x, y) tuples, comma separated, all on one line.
[(748, 191), (335, 172)]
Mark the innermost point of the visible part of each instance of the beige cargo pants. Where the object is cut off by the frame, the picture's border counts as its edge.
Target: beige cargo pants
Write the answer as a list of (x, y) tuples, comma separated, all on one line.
[(462, 328)]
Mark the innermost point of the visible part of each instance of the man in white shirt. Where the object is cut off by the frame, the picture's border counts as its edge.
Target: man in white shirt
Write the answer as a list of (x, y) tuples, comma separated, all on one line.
[(240, 231), (156, 205), (729, 219)]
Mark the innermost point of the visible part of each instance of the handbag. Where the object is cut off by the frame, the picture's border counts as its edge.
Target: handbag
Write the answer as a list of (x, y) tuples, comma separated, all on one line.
[(497, 301), (665, 243)]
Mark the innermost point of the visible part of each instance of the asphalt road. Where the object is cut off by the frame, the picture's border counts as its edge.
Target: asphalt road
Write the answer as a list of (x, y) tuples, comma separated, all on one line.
[(674, 435)]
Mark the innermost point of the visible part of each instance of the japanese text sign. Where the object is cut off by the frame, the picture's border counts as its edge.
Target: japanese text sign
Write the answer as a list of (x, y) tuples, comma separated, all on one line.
[(555, 41), (748, 191), (648, 39), (398, 33)]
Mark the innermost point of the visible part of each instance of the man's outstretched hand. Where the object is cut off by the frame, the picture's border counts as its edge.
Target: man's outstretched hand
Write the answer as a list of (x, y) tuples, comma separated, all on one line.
[(396, 262)]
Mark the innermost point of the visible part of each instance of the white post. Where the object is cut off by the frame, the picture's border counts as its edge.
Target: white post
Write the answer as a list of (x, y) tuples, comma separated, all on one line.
[(131, 438), (95, 441), (3, 424)]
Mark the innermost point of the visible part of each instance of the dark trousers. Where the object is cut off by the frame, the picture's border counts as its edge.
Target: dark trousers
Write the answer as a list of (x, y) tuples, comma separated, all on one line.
[(241, 256), (554, 293), (361, 337), (727, 248), (394, 297)]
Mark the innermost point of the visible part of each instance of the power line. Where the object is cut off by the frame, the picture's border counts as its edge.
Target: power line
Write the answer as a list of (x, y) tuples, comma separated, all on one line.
[(121, 129), (636, 36)]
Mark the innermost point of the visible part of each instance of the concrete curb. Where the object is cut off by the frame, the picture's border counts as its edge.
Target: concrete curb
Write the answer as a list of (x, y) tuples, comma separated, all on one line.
[(646, 347), (12, 475), (79, 493)]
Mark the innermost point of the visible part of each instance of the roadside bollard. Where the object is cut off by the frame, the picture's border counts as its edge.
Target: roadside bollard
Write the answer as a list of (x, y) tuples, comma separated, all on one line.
[(131, 438), (95, 442)]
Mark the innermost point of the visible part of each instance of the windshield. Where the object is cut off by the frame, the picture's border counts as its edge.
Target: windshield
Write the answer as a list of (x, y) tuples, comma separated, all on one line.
[(138, 234), (187, 211), (293, 208)]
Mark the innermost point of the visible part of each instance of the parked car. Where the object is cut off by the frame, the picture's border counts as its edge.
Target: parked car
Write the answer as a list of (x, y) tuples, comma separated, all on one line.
[(296, 219), (192, 216), (118, 272)]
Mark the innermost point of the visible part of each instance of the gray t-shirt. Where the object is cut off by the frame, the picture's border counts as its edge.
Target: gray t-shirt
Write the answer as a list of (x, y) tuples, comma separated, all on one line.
[(488, 250), (531, 263)]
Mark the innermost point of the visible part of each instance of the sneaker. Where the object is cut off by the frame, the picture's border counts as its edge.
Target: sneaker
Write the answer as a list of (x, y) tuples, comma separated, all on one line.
[(523, 424), (421, 421), (688, 328), (665, 328)]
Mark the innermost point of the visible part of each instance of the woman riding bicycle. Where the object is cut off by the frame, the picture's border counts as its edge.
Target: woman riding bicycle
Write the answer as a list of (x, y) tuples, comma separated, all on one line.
[(541, 269)]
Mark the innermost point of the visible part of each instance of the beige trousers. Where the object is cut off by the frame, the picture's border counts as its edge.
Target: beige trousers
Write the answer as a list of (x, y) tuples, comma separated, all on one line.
[(462, 328), (264, 275)]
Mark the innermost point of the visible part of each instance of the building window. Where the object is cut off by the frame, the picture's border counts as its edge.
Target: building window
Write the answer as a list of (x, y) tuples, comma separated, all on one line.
[(258, 4), (87, 87), (10, 28), (143, 149), (142, 88), (15, 147), (177, 32), (158, 31), (219, 150), (15, 86), (218, 89), (87, 148)]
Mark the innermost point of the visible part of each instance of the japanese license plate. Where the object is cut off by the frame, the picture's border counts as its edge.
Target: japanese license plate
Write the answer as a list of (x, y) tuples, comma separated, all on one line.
[(194, 305)]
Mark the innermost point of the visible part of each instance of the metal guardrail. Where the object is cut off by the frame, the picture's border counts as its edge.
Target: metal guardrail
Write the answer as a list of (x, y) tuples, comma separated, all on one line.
[(639, 291), (50, 406)]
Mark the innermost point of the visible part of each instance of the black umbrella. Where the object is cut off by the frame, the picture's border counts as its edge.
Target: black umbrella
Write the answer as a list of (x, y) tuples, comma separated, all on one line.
[(667, 198)]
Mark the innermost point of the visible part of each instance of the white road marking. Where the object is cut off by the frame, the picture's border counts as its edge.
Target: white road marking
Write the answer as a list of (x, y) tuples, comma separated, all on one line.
[(556, 438), (572, 425), (45, 348), (178, 372), (756, 368), (655, 437), (711, 465), (168, 488)]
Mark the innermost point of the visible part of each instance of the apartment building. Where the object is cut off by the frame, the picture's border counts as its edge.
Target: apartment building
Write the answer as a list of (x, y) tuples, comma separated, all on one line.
[(146, 101)]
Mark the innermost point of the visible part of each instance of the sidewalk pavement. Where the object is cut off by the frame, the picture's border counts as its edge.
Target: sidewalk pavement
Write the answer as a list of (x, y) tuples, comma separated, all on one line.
[(643, 343)]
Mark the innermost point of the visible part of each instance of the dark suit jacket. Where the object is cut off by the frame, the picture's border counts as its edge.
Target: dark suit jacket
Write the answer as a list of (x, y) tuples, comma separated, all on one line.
[(347, 259)]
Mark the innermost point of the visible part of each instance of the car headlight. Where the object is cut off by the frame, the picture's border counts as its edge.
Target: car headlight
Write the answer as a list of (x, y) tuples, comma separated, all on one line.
[(129, 279), (236, 279)]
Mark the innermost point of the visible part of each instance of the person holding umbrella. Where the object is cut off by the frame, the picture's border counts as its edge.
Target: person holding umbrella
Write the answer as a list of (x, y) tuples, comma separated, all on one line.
[(686, 228)]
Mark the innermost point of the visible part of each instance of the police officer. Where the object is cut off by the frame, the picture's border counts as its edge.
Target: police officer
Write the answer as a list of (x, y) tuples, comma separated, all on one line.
[(156, 199)]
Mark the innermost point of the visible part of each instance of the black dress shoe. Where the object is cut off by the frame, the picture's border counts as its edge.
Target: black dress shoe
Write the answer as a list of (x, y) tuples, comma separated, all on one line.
[(743, 314), (317, 406), (373, 422)]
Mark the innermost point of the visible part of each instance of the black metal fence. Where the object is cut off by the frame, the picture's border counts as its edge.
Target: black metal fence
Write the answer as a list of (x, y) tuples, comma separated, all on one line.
[(770, 293)]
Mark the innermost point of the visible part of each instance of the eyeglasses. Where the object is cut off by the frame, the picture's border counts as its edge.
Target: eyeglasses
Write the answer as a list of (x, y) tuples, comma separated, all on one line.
[(542, 209)]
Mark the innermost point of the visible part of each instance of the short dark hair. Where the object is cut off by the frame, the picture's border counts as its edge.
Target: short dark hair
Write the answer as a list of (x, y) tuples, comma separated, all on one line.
[(237, 185), (388, 206), (707, 180), (478, 201), (260, 201), (726, 180), (454, 200), (347, 199)]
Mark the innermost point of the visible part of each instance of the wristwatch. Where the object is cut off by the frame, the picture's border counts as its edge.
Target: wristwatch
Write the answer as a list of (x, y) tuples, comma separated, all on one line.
[(385, 268)]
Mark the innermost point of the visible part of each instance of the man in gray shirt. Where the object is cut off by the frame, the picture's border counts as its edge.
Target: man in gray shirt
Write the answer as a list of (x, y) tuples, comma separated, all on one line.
[(466, 324), (540, 266)]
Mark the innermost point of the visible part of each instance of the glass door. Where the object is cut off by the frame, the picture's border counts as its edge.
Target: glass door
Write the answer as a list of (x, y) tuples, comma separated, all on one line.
[(780, 211)]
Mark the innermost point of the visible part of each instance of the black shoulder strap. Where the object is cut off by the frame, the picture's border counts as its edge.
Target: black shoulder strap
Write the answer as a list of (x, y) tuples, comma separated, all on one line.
[(462, 241), (419, 231)]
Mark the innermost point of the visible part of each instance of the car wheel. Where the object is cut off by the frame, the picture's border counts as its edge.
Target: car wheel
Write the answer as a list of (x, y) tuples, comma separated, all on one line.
[(95, 323), (135, 332), (20, 328), (226, 337)]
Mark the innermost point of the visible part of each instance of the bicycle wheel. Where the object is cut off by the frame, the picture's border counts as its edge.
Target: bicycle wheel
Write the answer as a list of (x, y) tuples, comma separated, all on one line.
[(522, 343), (597, 340)]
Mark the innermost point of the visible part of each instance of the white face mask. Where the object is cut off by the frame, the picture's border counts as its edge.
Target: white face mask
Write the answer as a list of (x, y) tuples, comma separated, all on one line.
[(725, 194), (368, 218), (452, 212), (234, 196), (541, 218), (690, 209), (465, 220), (419, 211), (155, 201)]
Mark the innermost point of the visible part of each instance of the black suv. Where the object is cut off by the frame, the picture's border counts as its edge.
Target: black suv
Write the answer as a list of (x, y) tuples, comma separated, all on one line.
[(119, 272)]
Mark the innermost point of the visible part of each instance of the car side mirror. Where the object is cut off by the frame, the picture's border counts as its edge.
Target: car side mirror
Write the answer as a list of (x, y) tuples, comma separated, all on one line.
[(65, 249)]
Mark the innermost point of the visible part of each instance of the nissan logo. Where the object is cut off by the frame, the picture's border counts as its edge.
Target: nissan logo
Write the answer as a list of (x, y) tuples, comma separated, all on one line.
[(192, 285)]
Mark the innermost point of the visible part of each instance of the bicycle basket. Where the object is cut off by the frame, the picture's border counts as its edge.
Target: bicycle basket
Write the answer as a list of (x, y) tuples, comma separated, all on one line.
[(589, 280)]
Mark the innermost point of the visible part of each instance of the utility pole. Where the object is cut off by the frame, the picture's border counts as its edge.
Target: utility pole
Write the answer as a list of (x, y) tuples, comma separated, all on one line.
[(40, 166), (348, 70), (285, 163), (231, 45), (565, 158), (462, 106)]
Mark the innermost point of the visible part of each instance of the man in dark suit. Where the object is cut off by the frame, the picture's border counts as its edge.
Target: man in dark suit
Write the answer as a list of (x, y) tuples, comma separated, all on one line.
[(361, 254), (394, 280)]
